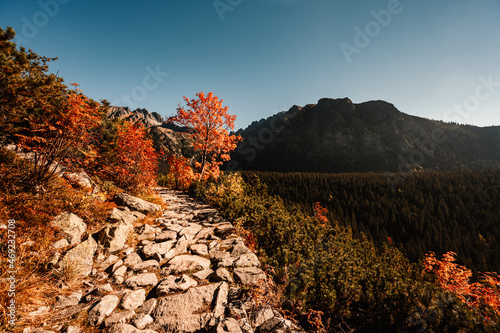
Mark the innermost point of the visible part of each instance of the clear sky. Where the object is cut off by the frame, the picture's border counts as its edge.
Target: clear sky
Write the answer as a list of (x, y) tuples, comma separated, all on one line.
[(435, 59)]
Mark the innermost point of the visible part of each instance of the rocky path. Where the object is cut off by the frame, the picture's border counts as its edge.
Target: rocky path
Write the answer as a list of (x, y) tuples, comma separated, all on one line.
[(185, 273)]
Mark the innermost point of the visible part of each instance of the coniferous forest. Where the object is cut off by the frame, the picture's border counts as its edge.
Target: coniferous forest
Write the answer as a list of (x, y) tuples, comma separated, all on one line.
[(420, 212)]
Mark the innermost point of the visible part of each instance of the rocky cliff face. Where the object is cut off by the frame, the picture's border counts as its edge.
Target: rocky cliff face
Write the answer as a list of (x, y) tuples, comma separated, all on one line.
[(336, 135)]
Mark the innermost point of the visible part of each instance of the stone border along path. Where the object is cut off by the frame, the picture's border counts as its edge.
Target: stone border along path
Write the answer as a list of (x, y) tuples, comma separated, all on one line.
[(185, 275)]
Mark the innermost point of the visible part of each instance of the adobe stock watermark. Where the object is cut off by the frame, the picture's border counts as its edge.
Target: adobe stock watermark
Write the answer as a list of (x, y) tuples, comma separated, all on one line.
[(223, 6), (31, 26), (150, 82), (363, 37), (485, 88), (248, 148), (11, 272)]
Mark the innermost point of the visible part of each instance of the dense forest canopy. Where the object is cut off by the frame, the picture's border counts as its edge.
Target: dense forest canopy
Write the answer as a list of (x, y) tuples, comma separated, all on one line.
[(420, 212)]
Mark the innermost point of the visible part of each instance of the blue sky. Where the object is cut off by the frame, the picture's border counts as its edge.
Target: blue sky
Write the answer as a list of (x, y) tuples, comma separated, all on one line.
[(435, 59)]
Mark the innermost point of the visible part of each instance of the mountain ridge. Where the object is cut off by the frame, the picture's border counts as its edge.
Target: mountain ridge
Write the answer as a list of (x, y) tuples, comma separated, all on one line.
[(337, 135)]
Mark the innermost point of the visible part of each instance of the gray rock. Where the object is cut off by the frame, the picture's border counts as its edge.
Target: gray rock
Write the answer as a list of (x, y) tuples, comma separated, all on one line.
[(185, 263), (133, 299), (202, 275), (72, 329), (273, 324), (199, 249), (120, 271), (132, 259), (249, 275), (127, 251), (118, 279), (142, 280), (113, 268), (71, 226), (148, 306), (147, 229), (221, 274), (192, 229), (142, 320), (224, 229), (247, 260), (157, 248), (101, 290), (196, 309), (118, 215), (204, 233), (110, 260), (71, 300), (229, 325), (166, 235), (114, 236), (119, 317), (82, 179), (239, 249), (122, 328), (174, 284), (261, 316), (137, 204), (173, 227), (80, 258), (102, 310), (60, 244), (145, 265), (180, 248)]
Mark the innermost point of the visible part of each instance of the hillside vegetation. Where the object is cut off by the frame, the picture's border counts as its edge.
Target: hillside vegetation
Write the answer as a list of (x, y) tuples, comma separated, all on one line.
[(347, 281), (419, 212)]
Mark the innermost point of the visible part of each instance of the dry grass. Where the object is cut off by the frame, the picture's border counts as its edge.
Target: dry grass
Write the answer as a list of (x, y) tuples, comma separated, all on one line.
[(36, 283)]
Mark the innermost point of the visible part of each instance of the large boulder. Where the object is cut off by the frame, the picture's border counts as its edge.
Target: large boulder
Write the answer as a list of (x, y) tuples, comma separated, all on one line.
[(80, 258), (249, 275), (102, 309), (118, 215), (197, 309), (114, 236), (135, 203), (72, 227)]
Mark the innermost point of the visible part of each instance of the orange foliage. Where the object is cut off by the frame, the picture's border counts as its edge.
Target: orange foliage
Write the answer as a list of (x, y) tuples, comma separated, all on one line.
[(208, 123), (320, 214), (456, 279), (133, 164), (59, 133), (183, 173)]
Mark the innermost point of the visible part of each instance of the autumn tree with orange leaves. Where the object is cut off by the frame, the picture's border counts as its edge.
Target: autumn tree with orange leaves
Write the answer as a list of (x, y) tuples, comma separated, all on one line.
[(483, 296), (128, 157), (209, 126)]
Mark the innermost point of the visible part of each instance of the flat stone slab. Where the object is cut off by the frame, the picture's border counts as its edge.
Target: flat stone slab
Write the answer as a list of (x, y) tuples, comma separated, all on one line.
[(142, 280), (185, 263), (196, 309), (249, 275)]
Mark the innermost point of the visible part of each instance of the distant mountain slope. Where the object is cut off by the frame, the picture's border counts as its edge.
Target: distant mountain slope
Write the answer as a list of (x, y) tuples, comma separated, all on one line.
[(336, 135), (167, 137)]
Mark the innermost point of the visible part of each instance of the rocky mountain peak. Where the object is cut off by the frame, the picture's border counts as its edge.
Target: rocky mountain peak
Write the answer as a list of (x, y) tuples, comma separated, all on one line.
[(142, 116)]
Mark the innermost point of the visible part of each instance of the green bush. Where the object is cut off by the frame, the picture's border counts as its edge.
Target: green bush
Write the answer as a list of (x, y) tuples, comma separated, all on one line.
[(367, 288)]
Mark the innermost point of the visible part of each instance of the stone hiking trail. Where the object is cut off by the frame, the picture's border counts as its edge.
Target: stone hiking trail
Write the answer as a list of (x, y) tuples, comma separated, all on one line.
[(186, 274)]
